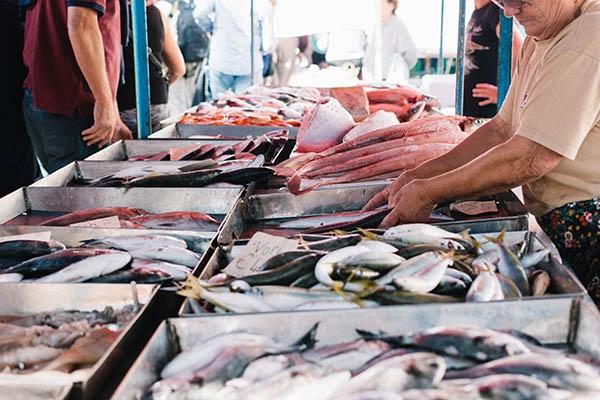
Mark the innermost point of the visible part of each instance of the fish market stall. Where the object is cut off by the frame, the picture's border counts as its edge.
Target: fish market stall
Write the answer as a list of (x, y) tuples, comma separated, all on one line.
[(418, 350), (274, 146), (336, 208), (74, 341), (93, 255), (296, 280), (94, 173), (194, 209)]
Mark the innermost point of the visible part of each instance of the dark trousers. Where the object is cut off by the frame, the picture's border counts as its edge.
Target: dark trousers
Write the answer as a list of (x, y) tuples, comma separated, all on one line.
[(575, 231), (56, 138)]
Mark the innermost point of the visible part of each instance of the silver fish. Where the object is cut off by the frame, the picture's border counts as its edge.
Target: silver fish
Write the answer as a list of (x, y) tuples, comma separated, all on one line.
[(175, 271), (419, 274), (507, 387), (510, 266), (484, 288), (326, 265), (89, 268), (175, 255), (241, 346), (136, 243), (533, 259)]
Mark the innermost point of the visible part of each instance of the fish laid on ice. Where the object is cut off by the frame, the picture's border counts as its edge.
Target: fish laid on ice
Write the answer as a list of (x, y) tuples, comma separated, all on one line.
[(95, 213), (89, 268)]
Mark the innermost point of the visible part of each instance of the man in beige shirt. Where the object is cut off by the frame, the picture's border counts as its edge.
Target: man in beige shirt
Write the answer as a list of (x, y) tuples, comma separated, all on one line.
[(546, 138)]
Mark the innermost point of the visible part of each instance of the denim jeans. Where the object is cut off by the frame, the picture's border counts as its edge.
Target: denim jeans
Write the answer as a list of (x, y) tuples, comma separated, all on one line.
[(220, 82), (56, 138)]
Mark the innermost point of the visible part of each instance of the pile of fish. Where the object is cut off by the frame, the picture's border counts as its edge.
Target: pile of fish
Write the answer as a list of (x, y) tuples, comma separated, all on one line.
[(246, 150), (380, 153), (407, 264), (196, 175), (406, 102), (61, 340), (441, 363), (259, 106), (137, 218), (119, 259)]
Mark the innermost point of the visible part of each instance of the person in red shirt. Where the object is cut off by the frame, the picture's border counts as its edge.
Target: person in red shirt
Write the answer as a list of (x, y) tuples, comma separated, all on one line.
[(73, 54)]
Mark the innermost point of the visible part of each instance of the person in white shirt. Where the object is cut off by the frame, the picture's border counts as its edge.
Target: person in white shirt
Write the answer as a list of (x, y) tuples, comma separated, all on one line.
[(398, 49)]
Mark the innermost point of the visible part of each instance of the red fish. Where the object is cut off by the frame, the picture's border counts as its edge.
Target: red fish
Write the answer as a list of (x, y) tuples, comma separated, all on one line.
[(90, 214), (181, 220)]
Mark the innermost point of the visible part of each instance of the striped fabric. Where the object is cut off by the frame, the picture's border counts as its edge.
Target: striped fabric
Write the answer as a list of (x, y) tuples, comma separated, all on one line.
[(229, 23)]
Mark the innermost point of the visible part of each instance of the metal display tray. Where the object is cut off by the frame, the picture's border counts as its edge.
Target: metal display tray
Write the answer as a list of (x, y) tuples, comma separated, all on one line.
[(184, 131), (564, 282), (74, 237), (555, 320), (214, 201), (272, 206), (23, 300), (125, 149), (99, 169)]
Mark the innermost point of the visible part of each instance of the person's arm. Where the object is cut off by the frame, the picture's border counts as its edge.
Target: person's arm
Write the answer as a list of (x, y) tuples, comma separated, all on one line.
[(514, 163), (172, 54), (203, 16), (493, 133), (86, 40)]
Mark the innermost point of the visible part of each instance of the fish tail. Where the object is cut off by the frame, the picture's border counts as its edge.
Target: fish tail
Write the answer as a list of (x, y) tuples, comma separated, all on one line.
[(498, 239), (191, 288), (367, 234), (309, 339)]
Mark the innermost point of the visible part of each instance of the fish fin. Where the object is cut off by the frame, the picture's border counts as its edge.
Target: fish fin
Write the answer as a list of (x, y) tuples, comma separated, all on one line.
[(370, 289), (309, 340), (302, 243), (498, 239), (339, 233), (367, 234), (190, 288)]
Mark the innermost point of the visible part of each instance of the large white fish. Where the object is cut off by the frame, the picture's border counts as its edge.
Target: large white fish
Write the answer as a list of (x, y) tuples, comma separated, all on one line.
[(89, 268), (175, 255)]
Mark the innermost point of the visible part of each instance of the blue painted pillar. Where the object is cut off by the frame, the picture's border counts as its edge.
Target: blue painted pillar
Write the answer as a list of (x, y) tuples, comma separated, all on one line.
[(504, 58), (440, 68), (460, 57), (142, 75)]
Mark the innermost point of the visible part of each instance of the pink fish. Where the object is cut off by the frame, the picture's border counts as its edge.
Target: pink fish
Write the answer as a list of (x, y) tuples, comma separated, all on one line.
[(324, 127)]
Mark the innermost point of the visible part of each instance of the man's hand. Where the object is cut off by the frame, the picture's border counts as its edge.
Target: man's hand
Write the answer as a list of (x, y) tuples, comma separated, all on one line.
[(412, 204), (388, 193), (122, 132), (105, 123), (487, 92)]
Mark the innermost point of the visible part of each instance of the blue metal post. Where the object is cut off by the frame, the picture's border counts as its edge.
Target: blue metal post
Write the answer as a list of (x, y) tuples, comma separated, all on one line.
[(460, 57), (140, 57), (504, 58), (440, 67)]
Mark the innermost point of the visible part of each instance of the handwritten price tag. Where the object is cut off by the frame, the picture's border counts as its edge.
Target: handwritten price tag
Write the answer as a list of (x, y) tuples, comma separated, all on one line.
[(108, 222), (258, 250), (475, 207)]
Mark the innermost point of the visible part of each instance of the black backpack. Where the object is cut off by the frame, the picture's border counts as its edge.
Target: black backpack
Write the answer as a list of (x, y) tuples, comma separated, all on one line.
[(193, 41)]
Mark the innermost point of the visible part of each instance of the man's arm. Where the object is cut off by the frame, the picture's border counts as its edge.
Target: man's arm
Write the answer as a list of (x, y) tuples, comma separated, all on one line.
[(511, 164), (86, 40), (492, 134)]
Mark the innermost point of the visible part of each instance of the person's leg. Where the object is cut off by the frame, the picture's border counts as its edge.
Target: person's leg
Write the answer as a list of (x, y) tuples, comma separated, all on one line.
[(33, 130), (575, 231), (219, 83), (58, 137)]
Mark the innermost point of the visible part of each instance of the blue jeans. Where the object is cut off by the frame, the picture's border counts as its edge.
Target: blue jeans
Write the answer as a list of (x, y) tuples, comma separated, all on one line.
[(56, 138), (220, 82)]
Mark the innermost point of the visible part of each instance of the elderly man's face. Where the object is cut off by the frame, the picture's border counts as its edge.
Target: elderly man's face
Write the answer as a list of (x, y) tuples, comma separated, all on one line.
[(539, 17)]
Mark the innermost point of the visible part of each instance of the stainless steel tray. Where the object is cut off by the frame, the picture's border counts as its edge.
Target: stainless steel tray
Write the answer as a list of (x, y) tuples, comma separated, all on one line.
[(214, 201), (124, 150), (22, 300), (263, 207), (556, 321), (100, 169), (184, 131), (564, 282)]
